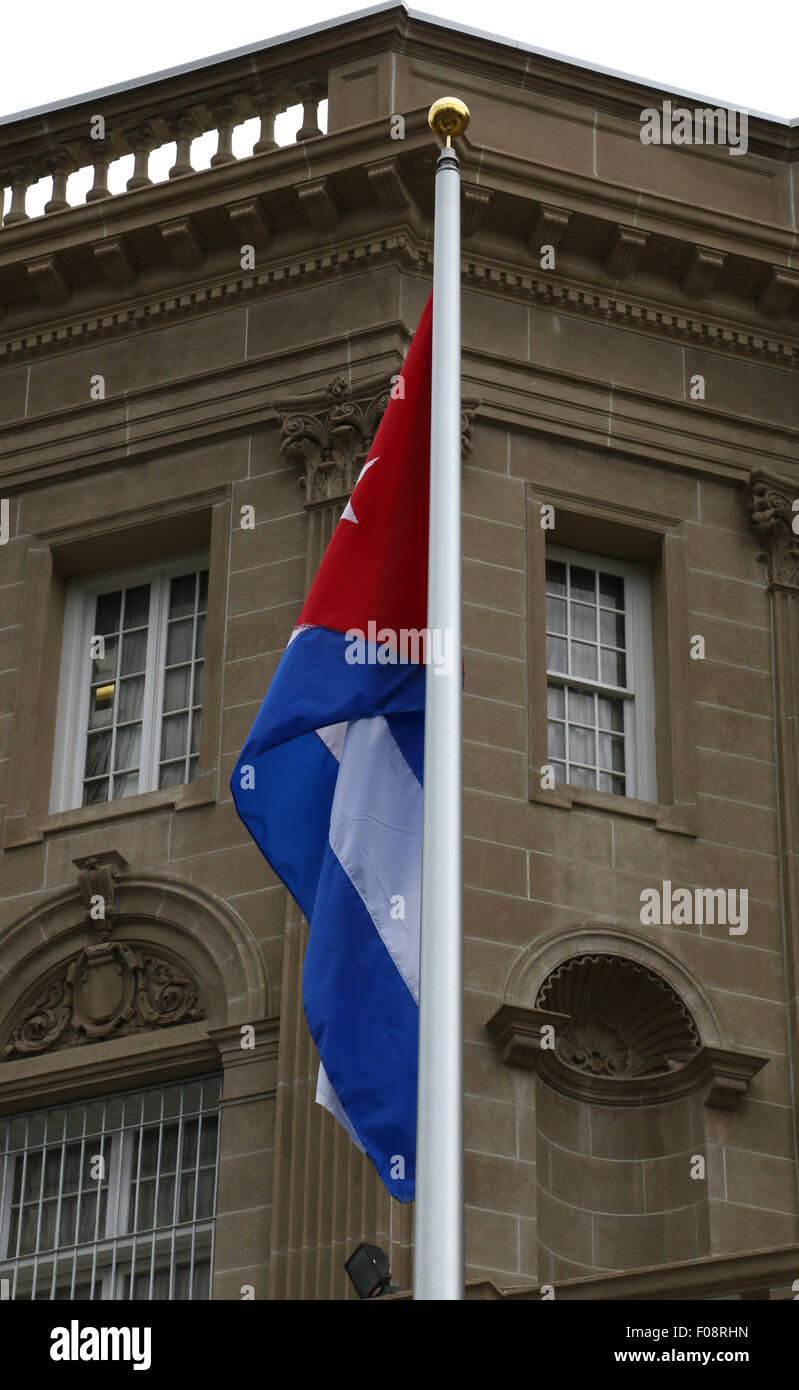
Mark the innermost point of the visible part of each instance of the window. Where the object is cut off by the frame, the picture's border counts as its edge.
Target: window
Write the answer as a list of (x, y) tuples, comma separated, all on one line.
[(130, 698), (112, 1198), (600, 692)]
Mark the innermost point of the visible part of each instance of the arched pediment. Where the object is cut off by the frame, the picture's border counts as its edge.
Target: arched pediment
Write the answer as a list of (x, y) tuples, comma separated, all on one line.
[(162, 953)]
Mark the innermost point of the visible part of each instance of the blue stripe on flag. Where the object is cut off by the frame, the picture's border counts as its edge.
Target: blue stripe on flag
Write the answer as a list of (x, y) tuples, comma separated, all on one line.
[(368, 1041), (315, 686), (287, 811), (408, 730)]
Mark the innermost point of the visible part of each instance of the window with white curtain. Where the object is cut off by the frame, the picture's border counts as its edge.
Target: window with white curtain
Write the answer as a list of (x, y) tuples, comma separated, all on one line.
[(600, 682), (130, 695), (112, 1198)]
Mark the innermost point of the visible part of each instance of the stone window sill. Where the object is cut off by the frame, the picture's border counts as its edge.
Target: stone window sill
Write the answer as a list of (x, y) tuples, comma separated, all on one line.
[(679, 819), (29, 830)]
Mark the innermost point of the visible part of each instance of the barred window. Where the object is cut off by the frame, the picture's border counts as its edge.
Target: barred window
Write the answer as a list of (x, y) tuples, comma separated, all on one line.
[(600, 699), (112, 1198), (130, 698)]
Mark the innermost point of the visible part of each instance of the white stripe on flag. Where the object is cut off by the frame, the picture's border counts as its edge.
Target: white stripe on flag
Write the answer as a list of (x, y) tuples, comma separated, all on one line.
[(376, 835), (332, 736), (328, 1097)]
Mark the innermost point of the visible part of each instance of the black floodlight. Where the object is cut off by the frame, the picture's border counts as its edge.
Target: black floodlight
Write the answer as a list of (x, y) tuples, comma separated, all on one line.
[(369, 1271)]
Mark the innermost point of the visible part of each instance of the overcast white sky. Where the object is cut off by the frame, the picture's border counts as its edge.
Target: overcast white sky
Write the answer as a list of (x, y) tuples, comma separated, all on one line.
[(737, 51)]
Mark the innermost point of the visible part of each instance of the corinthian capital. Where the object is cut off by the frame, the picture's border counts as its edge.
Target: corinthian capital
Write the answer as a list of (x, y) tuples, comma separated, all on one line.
[(774, 513)]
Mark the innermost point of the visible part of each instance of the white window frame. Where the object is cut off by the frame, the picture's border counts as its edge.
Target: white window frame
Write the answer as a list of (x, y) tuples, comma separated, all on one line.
[(639, 694), (69, 754)]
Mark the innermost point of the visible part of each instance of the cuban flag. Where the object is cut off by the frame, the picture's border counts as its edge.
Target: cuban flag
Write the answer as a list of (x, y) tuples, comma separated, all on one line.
[(329, 783)]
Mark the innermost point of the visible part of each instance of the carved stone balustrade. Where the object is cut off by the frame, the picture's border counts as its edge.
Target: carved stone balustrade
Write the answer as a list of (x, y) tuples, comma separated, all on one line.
[(185, 128), (225, 120), (59, 166), (18, 177), (187, 104), (101, 155), (269, 104), (142, 143)]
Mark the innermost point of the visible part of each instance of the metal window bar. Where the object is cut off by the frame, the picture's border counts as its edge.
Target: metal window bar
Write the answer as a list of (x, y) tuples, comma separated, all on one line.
[(175, 1201), (21, 1195), (136, 1190), (115, 1241), (5, 1215), (98, 1202), (39, 1211), (116, 1219), (78, 1204), (195, 1195), (60, 1194), (155, 1194)]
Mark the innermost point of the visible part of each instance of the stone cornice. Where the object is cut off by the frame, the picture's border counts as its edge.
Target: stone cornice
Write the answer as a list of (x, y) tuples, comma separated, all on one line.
[(400, 247), (291, 172), (624, 203)]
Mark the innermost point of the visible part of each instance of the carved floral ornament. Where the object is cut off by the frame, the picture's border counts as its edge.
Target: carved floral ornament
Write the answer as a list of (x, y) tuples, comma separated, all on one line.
[(329, 434), (110, 989), (774, 514)]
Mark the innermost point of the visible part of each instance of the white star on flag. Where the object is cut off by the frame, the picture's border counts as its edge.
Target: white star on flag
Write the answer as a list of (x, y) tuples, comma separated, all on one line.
[(348, 514)]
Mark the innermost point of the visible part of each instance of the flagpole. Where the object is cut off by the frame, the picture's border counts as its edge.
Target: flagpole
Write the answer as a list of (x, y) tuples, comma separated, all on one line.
[(439, 1252)]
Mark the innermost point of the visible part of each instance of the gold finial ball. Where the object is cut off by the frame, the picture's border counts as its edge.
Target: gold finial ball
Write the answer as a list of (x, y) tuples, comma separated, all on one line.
[(448, 117)]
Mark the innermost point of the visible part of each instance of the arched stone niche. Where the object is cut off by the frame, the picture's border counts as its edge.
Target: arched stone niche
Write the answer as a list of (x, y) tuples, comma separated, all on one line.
[(628, 1050), (165, 968)]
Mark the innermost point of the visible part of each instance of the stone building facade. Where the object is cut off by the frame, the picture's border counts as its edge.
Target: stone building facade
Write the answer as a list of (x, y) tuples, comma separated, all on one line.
[(191, 371)]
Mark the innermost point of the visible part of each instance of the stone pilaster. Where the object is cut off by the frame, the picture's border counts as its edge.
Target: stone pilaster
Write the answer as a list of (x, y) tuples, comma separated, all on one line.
[(774, 513), (330, 1196), (249, 1058)]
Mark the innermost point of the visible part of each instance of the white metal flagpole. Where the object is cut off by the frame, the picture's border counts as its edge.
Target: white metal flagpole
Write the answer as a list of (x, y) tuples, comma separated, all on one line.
[(439, 1254)]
